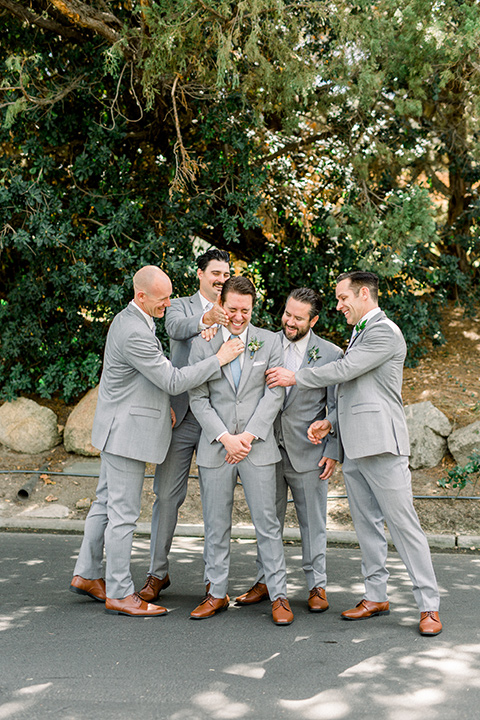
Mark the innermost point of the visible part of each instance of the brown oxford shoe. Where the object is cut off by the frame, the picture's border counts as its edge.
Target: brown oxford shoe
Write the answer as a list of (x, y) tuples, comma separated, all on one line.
[(281, 612), (93, 588), (133, 606), (366, 609), (209, 607), (256, 594), (317, 600), (153, 587), (430, 623)]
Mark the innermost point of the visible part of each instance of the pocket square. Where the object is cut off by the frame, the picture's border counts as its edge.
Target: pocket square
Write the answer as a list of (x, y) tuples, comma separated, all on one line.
[(259, 362)]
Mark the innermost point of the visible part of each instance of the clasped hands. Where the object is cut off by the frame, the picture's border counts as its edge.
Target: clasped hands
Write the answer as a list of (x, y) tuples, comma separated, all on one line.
[(237, 446)]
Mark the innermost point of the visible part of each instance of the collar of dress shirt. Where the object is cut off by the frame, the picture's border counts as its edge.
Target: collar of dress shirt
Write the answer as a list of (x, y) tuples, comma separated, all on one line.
[(205, 303), (368, 315), (300, 347), (149, 319)]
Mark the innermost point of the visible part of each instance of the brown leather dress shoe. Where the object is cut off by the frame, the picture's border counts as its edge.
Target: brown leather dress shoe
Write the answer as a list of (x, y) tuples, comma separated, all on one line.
[(133, 606), (281, 612), (153, 587), (209, 607), (256, 594), (317, 600), (430, 623), (366, 609), (93, 588)]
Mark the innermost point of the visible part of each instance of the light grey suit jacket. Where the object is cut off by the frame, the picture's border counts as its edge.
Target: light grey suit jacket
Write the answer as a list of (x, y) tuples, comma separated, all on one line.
[(132, 417), (253, 407), (302, 407), (370, 413), (181, 323)]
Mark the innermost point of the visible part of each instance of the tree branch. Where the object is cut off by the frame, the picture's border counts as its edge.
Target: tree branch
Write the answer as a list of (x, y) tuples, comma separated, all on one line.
[(27, 15), (293, 146)]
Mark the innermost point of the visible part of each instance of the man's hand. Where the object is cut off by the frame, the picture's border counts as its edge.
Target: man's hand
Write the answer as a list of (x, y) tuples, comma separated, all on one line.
[(172, 415), (230, 350), (318, 430), (216, 314), (328, 466), (237, 446), (209, 333), (280, 376)]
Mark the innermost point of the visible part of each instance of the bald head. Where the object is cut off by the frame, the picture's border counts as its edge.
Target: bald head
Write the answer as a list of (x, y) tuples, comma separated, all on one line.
[(152, 290)]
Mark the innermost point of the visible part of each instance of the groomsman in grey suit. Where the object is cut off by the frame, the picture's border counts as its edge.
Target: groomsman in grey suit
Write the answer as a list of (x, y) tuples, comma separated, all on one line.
[(132, 426), (304, 468), (236, 412), (374, 435), (184, 319)]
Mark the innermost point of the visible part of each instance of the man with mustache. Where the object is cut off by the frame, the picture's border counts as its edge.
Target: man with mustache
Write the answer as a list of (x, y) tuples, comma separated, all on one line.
[(184, 320)]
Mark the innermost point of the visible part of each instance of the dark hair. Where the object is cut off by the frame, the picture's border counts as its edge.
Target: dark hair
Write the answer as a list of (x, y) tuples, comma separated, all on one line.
[(309, 297), (238, 284), (359, 279), (212, 254)]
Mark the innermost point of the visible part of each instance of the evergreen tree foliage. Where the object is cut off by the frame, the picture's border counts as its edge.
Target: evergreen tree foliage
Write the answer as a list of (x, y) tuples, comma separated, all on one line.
[(306, 138)]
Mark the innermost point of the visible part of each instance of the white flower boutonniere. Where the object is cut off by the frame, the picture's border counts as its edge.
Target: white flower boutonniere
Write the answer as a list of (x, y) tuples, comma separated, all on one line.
[(313, 355), (254, 345)]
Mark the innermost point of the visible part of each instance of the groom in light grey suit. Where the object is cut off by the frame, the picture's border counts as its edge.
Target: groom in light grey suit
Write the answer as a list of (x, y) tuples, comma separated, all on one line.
[(236, 412), (304, 468), (374, 435), (184, 319), (132, 426)]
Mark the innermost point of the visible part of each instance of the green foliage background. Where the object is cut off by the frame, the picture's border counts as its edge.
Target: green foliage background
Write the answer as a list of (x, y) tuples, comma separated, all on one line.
[(306, 138)]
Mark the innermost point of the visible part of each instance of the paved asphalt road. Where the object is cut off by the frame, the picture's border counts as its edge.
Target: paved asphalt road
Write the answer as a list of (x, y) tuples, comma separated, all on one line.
[(62, 656)]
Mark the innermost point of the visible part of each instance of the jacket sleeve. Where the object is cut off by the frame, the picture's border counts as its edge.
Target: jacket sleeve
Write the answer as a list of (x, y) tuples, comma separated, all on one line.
[(378, 345), (142, 352)]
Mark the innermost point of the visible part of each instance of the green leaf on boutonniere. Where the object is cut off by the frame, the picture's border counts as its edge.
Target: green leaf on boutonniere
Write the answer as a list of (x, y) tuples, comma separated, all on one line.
[(313, 355), (359, 326), (254, 345)]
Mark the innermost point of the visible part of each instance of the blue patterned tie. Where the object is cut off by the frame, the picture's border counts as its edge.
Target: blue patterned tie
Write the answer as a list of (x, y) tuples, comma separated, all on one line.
[(235, 367)]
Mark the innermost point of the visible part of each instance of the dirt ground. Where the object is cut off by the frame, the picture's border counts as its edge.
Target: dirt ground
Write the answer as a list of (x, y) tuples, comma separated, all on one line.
[(448, 376)]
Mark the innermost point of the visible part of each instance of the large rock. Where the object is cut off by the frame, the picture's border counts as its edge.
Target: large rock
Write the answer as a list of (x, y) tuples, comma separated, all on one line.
[(428, 429), (28, 427), (78, 429), (464, 441)]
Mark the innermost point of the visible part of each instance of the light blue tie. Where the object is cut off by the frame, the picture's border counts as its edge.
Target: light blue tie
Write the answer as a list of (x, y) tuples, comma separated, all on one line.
[(235, 367)]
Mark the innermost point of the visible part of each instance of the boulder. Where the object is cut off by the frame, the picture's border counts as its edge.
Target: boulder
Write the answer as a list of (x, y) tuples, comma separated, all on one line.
[(465, 441), (27, 427), (428, 429), (78, 429)]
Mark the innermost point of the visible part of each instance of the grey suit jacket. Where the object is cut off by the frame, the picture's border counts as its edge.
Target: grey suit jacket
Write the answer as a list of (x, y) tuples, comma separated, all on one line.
[(181, 323), (302, 407), (253, 407), (132, 417), (370, 411)]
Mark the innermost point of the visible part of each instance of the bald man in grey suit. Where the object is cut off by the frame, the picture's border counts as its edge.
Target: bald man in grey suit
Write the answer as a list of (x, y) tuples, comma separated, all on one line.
[(374, 435), (184, 320), (132, 426)]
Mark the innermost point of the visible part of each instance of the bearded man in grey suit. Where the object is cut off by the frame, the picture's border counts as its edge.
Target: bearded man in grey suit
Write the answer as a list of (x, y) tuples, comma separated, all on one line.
[(236, 412), (299, 466), (184, 319), (374, 435), (132, 426)]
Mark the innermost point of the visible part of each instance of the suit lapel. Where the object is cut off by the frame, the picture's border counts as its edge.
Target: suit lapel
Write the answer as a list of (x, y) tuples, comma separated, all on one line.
[(247, 363), (378, 316)]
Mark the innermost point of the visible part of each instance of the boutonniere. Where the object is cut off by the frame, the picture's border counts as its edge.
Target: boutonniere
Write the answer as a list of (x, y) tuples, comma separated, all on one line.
[(254, 345), (359, 326), (313, 355)]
